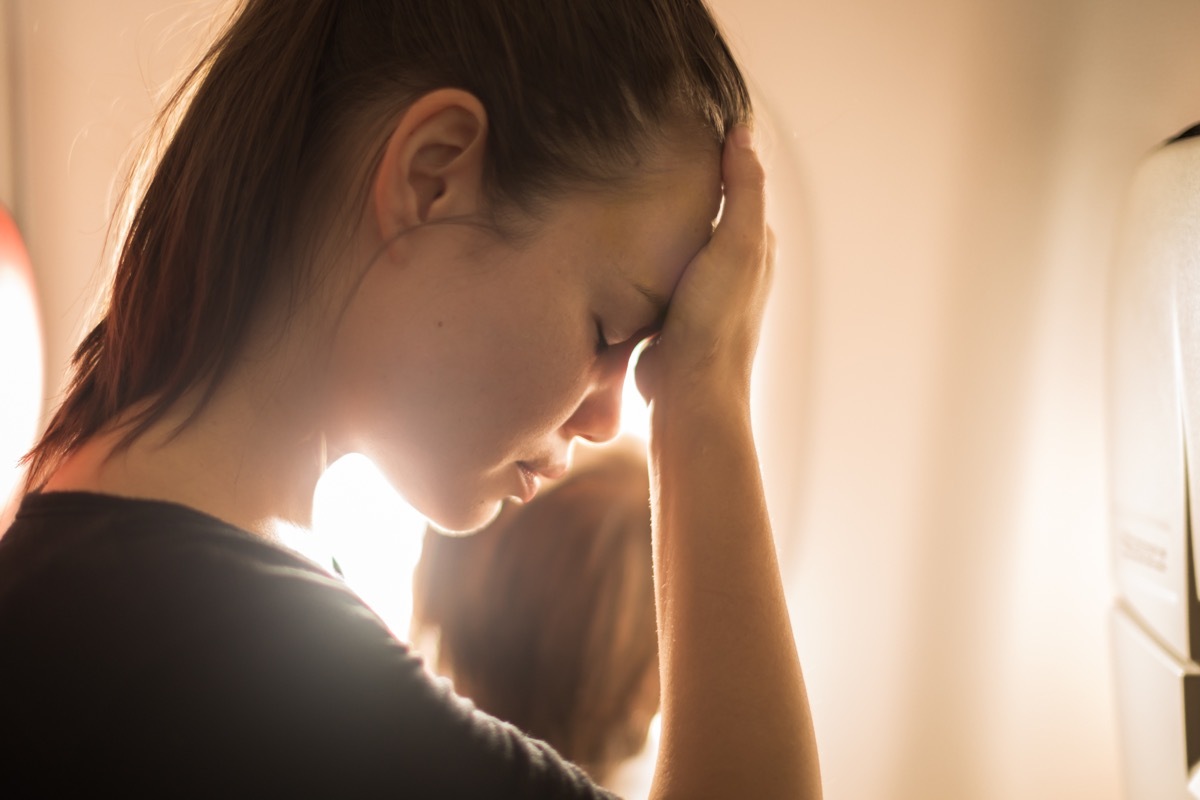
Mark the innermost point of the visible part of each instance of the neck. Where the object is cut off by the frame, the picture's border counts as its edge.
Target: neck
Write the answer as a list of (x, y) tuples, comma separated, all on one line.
[(240, 460)]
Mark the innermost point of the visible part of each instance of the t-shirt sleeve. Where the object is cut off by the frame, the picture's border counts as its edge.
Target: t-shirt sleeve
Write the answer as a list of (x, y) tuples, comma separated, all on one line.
[(368, 709)]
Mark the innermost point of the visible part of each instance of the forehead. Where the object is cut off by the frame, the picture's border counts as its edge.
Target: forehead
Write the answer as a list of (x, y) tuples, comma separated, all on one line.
[(652, 229)]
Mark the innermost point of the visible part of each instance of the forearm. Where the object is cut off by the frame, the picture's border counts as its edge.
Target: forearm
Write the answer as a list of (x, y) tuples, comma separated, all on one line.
[(736, 721)]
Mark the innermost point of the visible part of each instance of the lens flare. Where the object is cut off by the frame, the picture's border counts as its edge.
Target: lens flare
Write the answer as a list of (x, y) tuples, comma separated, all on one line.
[(373, 534)]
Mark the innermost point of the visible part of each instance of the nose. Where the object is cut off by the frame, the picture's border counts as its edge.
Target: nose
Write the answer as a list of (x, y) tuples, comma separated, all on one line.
[(598, 417)]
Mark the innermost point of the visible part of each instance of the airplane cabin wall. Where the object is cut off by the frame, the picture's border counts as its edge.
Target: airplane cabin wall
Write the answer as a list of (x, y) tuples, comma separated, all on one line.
[(947, 180), (964, 167)]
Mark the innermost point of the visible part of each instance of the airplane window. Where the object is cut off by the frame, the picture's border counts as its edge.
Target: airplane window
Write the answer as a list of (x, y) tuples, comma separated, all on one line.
[(20, 359)]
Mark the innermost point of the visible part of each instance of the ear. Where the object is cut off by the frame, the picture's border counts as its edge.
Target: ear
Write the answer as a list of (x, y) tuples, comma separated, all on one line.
[(432, 165)]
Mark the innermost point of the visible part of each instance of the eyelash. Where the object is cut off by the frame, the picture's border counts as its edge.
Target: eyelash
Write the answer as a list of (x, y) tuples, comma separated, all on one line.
[(602, 344)]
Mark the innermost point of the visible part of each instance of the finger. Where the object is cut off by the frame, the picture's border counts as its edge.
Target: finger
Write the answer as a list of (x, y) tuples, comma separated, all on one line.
[(743, 220)]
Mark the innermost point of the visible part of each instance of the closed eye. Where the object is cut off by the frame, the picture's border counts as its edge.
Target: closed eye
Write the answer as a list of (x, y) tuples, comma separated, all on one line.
[(602, 343), (605, 345)]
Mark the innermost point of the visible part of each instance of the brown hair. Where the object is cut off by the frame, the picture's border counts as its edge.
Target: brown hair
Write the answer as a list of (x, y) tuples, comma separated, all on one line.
[(546, 618), (291, 104)]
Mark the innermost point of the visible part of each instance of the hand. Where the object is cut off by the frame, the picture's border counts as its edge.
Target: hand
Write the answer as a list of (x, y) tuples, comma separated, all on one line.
[(710, 333)]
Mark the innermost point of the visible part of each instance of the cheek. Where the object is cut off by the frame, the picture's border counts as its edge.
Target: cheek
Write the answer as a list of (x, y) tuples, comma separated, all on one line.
[(476, 371), (536, 376), (530, 349)]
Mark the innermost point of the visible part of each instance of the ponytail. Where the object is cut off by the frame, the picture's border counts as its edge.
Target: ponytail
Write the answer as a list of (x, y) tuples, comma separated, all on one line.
[(194, 263)]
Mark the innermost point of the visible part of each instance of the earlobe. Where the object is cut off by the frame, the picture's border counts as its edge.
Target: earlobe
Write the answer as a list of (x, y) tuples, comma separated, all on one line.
[(432, 164)]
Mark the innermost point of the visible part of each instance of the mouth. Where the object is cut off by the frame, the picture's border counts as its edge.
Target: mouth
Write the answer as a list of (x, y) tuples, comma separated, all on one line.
[(532, 476)]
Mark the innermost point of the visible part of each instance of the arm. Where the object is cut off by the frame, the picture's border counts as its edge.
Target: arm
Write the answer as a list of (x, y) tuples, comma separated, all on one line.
[(736, 720)]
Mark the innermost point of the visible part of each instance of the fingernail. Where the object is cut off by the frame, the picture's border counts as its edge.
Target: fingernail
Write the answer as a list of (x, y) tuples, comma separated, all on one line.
[(742, 137)]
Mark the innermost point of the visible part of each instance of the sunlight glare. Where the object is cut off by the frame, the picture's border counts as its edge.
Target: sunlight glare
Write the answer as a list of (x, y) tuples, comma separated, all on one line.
[(20, 364), (360, 521), (375, 535), (635, 414)]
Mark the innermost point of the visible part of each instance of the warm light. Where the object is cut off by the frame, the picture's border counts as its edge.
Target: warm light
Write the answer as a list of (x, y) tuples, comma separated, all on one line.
[(635, 414), (20, 359), (375, 536), (360, 521)]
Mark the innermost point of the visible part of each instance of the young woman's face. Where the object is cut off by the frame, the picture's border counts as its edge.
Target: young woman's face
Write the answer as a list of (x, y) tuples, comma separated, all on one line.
[(464, 367)]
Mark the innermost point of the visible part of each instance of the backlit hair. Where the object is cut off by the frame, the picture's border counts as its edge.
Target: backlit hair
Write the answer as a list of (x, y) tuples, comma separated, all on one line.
[(292, 105)]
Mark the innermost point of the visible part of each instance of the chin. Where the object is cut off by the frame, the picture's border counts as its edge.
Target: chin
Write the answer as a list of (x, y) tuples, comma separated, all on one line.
[(465, 520)]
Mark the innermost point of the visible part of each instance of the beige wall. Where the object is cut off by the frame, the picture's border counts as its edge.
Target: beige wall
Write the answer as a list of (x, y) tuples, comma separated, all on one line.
[(7, 107), (948, 175), (963, 167)]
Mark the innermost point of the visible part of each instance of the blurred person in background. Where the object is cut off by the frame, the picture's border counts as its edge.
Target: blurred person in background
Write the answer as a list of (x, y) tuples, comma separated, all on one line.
[(545, 618)]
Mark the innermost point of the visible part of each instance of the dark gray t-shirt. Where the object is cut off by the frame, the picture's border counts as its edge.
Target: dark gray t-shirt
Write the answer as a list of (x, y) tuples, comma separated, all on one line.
[(154, 649)]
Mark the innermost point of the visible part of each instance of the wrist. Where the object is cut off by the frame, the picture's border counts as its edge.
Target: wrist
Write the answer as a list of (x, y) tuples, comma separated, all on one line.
[(695, 407)]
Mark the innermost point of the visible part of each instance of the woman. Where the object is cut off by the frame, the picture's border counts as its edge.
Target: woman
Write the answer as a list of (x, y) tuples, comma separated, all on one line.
[(545, 619), (433, 233)]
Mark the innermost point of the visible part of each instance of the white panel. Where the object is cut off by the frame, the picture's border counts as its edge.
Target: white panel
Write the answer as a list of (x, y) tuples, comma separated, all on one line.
[(1153, 688), (1179, 166), (1148, 487)]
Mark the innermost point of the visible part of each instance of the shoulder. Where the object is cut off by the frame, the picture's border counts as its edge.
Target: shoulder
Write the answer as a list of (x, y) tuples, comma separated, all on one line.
[(125, 566), (149, 640)]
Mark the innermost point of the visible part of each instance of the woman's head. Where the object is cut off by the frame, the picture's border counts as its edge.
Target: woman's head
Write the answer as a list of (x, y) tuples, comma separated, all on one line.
[(546, 618), (278, 137), (464, 363)]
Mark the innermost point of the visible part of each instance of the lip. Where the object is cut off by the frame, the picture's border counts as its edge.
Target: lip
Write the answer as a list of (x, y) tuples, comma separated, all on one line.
[(532, 476), (530, 480)]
